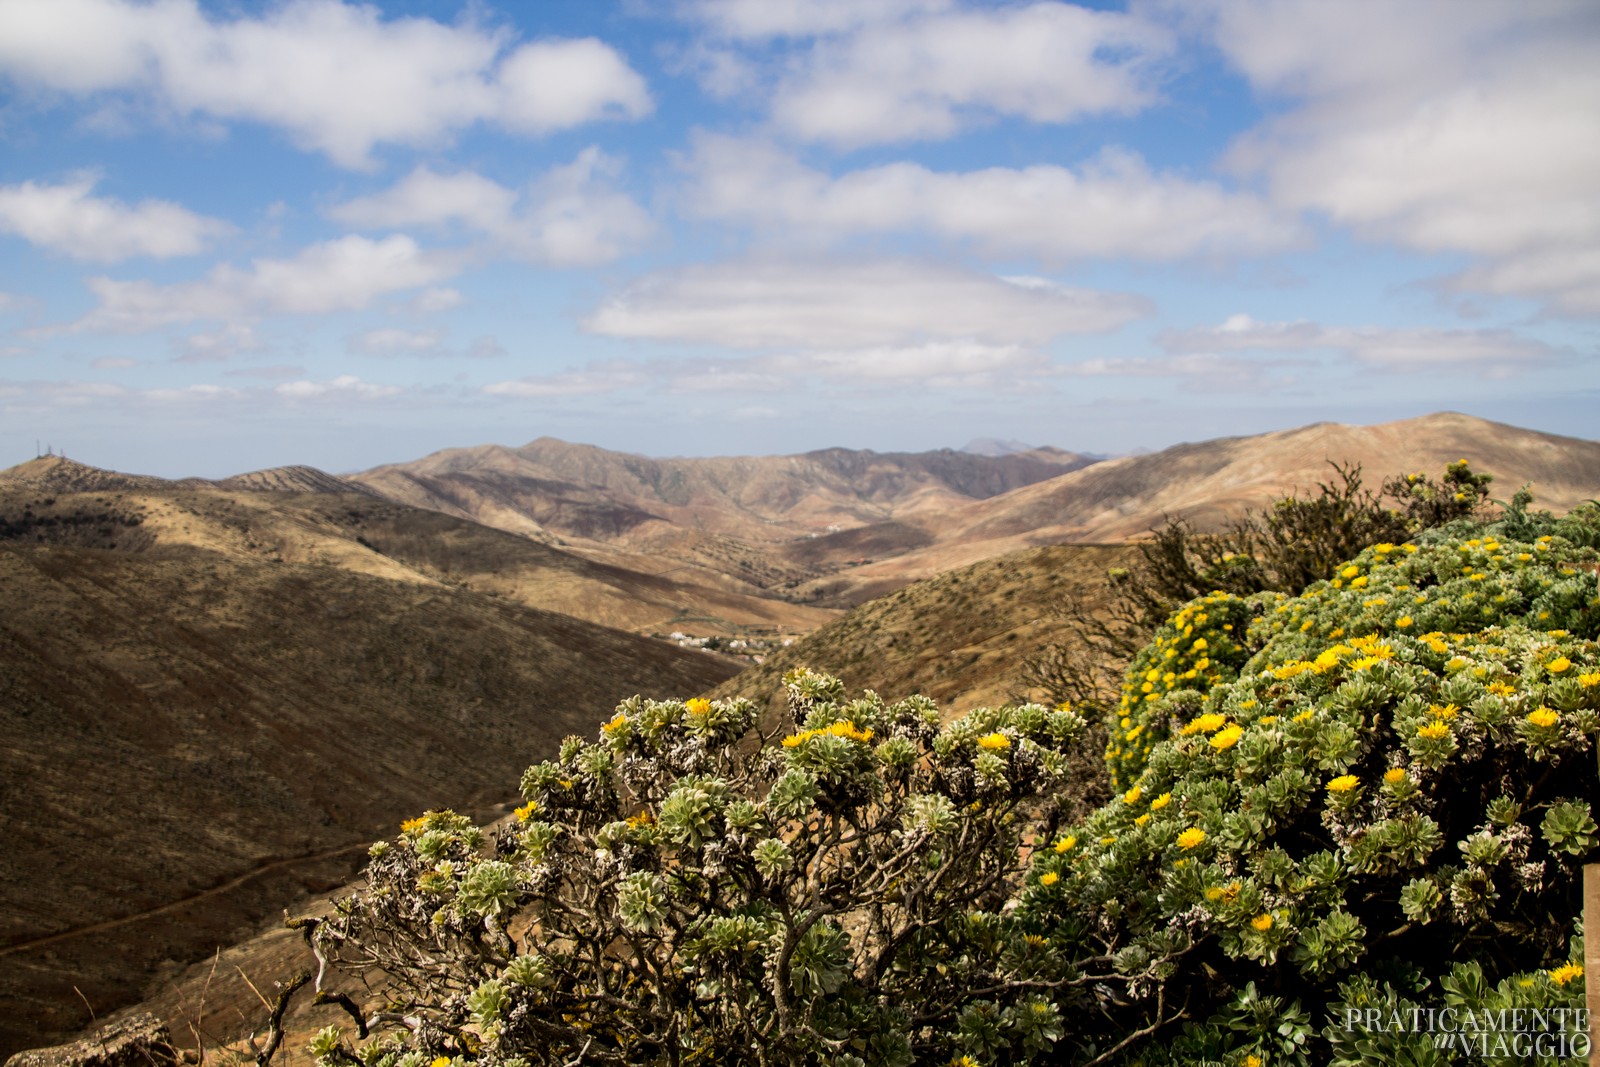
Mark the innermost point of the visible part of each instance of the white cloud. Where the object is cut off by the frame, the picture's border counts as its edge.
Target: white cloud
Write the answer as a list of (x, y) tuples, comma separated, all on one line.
[(1442, 126), (570, 216), (606, 378), (1206, 371), (555, 85), (345, 274), (391, 341), (931, 74), (339, 78), (1113, 206), (433, 301), (344, 387), (114, 363), (1491, 352), (66, 218), (275, 371), (763, 19), (836, 305), (218, 345)]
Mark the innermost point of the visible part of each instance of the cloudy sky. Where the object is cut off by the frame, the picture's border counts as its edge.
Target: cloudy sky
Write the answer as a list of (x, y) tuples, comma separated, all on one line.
[(241, 234)]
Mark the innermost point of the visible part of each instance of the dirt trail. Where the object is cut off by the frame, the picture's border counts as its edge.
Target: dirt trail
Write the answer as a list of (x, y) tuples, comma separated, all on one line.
[(171, 906)]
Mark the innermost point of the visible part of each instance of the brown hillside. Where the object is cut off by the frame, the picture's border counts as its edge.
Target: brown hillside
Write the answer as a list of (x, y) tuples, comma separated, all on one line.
[(713, 513), (365, 534), (1209, 482), (959, 637), (192, 740)]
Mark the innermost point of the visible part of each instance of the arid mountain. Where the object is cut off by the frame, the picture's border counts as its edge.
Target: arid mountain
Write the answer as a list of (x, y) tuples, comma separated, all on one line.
[(193, 738), (295, 479), (1205, 483), (266, 516), (704, 510), (837, 527)]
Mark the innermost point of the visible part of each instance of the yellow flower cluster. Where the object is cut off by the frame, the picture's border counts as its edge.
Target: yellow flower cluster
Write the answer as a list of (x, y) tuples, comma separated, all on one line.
[(1262, 922), (1206, 724), (1191, 838), (1394, 775), (527, 811), (1227, 737), (697, 706), (995, 742), (1544, 717), (1049, 878), (843, 728), (1344, 783), (1566, 973), (1434, 731)]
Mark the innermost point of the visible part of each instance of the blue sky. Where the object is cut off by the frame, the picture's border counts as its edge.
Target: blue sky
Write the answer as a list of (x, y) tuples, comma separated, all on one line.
[(235, 235)]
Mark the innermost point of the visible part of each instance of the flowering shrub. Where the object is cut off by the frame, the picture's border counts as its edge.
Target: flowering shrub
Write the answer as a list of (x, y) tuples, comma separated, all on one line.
[(683, 890), (1405, 761), (1316, 794), (1198, 647)]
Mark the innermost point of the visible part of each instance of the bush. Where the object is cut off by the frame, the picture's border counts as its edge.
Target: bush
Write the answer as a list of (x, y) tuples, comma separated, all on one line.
[(685, 890), (1374, 796), (1404, 762)]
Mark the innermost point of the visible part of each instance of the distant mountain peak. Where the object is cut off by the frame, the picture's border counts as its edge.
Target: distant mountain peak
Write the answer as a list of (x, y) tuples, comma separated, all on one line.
[(62, 475), (995, 446)]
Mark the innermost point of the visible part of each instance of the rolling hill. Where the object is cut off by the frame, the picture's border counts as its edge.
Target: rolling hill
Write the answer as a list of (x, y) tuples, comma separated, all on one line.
[(1205, 483), (212, 700)]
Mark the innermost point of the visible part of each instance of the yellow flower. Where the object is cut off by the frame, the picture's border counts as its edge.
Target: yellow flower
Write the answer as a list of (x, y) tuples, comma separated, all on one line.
[(1066, 844), (1403, 622), (1566, 973), (1343, 784), (1161, 801), (1227, 737), (1108, 839), (1557, 665), (440, 1061), (1141, 820), (1589, 680), (1049, 878), (1252, 1060), (617, 722), (849, 730), (411, 826), (994, 742), (1501, 689), (1434, 731), (1544, 717), (1132, 796), (1358, 583), (795, 740), (1205, 724), (1262, 922), (1214, 893), (1191, 838), (1447, 711), (1350, 571), (1394, 775), (525, 812), (697, 706), (1304, 716), (1199, 644)]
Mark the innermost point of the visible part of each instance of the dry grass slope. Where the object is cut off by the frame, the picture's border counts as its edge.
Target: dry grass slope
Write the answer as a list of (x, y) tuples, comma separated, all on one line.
[(178, 719)]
